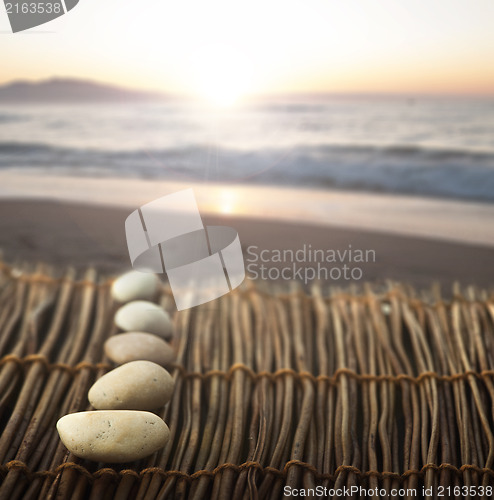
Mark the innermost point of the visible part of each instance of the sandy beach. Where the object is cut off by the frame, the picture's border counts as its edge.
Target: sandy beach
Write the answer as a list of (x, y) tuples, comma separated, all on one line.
[(417, 216), (63, 234)]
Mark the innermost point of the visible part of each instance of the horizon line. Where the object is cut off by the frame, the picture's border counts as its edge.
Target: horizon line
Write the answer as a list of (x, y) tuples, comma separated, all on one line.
[(410, 93)]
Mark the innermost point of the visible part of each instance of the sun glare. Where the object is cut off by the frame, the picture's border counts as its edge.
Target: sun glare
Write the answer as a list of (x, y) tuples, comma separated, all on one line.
[(227, 202), (221, 75)]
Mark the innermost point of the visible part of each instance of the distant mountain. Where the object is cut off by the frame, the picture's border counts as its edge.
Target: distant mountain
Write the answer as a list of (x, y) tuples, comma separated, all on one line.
[(71, 90)]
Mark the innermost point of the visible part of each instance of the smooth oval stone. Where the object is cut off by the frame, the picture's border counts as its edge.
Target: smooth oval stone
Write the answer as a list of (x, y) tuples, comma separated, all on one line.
[(138, 385), (143, 316), (134, 346), (135, 285), (113, 436)]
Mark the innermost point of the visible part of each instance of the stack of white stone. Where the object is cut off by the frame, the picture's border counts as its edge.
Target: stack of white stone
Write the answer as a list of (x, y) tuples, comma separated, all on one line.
[(123, 429)]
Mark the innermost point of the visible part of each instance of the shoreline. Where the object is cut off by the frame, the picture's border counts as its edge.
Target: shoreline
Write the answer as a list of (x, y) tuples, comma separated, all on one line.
[(63, 234), (438, 219)]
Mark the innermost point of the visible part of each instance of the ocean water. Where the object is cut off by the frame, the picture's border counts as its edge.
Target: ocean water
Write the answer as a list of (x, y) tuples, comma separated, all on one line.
[(438, 147)]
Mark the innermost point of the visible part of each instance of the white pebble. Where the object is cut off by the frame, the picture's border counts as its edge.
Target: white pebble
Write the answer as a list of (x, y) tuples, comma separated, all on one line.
[(143, 316), (138, 385), (113, 436), (135, 285), (133, 346)]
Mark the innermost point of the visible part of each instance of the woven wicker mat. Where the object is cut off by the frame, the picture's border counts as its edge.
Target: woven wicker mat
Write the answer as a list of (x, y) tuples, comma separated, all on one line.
[(375, 390)]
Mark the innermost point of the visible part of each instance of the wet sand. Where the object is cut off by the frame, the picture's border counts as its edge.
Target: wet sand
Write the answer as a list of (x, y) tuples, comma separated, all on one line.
[(63, 234)]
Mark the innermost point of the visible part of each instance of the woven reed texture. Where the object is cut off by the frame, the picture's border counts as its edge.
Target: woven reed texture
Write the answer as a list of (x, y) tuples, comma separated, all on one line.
[(390, 389)]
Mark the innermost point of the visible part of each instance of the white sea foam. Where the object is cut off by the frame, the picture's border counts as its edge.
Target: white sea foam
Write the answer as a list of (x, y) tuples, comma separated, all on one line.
[(427, 146)]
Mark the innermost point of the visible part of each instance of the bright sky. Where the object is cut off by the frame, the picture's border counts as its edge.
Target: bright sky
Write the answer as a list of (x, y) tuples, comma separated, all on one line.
[(227, 47)]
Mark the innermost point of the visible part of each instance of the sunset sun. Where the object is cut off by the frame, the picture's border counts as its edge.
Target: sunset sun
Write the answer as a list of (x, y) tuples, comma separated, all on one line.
[(221, 74)]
